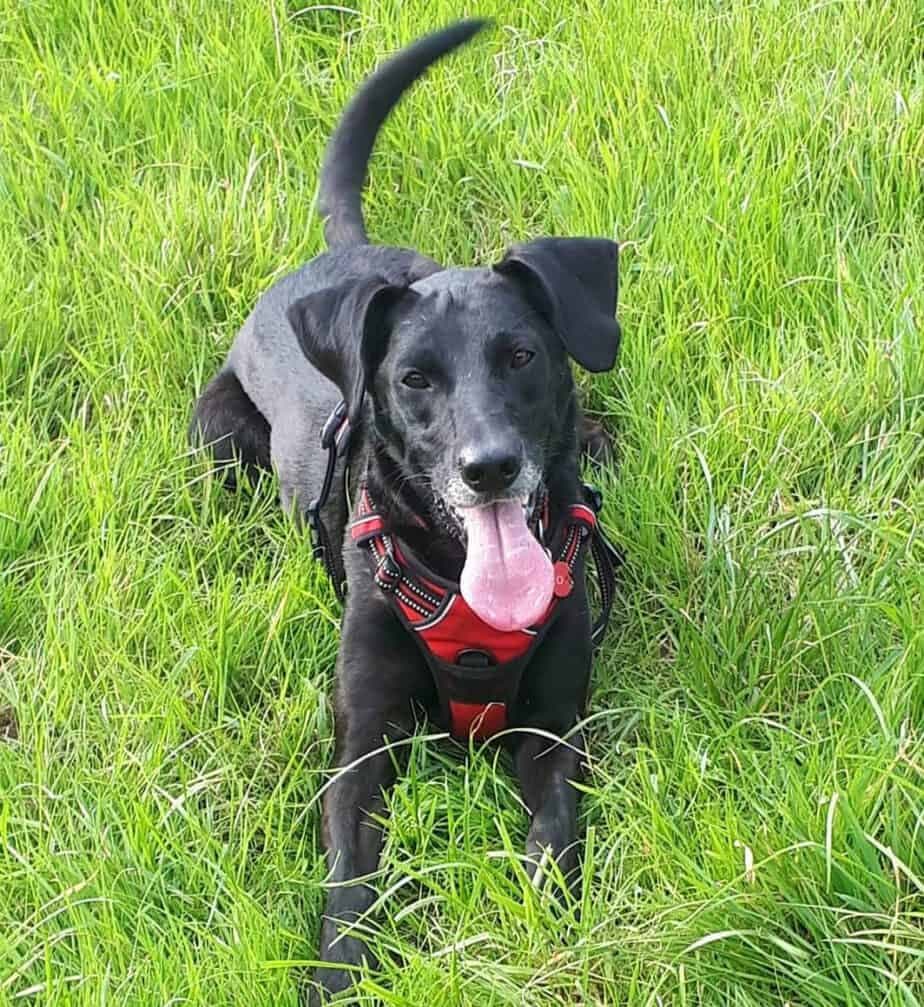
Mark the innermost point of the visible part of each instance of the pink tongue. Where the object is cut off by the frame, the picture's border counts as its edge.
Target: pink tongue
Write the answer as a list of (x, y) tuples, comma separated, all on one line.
[(507, 579)]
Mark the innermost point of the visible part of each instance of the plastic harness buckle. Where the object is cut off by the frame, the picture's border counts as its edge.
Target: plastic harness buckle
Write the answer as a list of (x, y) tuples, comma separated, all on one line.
[(313, 516)]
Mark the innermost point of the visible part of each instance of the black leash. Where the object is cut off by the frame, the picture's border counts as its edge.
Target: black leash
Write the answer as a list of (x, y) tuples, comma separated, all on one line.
[(607, 560), (335, 440)]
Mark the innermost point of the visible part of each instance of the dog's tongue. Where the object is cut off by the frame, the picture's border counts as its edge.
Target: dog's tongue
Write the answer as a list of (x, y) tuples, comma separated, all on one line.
[(507, 579)]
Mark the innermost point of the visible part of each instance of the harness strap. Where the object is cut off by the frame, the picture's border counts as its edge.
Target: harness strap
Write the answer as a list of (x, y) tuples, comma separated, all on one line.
[(335, 439), (607, 560)]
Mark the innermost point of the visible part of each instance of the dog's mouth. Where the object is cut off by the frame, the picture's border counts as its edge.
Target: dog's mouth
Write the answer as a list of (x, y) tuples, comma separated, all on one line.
[(451, 517), (507, 579)]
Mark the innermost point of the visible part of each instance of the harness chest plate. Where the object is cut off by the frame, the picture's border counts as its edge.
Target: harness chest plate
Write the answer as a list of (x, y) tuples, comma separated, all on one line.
[(476, 668)]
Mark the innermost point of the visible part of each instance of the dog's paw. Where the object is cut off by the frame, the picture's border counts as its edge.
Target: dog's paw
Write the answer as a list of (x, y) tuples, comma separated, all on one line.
[(325, 984), (553, 856), (329, 979), (543, 867)]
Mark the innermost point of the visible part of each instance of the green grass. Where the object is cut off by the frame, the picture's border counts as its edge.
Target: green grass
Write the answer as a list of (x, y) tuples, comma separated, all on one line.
[(755, 809)]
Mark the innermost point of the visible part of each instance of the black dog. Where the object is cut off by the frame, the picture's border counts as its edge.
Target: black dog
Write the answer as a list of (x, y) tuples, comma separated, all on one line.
[(464, 561)]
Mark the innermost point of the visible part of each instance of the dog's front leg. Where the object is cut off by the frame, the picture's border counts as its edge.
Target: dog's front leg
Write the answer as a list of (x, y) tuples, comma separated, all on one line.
[(547, 771), (379, 676), (549, 753)]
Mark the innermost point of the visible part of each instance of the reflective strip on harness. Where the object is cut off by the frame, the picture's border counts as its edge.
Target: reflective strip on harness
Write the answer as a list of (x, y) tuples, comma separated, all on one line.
[(367, 527)]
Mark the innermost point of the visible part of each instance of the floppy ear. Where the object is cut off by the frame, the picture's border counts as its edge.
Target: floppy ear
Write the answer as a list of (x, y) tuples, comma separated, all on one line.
[(342, 331), (573, 283)]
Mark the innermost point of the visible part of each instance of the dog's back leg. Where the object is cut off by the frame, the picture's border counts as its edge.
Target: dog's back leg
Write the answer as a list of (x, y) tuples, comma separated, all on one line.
[(227, 422)]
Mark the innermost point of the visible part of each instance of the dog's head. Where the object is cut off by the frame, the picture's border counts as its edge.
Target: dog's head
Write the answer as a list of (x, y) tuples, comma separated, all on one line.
[(468, 370)]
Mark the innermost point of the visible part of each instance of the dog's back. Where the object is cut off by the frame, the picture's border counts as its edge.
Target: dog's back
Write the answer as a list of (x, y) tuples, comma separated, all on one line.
[(267, 403)]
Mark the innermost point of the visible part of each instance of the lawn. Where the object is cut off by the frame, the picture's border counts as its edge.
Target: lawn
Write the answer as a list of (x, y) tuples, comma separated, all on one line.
[(755, 805)]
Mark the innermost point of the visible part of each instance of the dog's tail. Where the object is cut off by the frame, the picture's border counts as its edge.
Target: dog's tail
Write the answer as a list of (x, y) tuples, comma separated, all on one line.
[(343, 172)]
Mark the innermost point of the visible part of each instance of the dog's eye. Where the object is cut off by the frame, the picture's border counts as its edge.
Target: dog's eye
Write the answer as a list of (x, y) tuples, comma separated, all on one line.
[(414, 379), (521, 358)]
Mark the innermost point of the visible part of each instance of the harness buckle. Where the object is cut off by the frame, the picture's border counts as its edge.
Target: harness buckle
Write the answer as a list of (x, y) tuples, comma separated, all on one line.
[(313, 517)]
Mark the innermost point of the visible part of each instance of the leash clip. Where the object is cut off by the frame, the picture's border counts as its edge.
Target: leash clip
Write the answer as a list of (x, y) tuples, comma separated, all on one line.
[(313, 517), (332, 425)]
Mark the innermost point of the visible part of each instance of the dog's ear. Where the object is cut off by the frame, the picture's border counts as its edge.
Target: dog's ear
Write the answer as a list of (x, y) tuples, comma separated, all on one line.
[(573, 283), (343, 332)]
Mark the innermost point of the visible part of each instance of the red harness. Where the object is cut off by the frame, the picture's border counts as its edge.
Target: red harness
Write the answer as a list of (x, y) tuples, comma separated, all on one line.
[(476, 668)]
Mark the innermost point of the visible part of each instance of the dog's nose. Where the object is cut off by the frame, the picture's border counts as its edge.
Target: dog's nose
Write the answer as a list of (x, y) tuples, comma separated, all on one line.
[(490, 469)]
